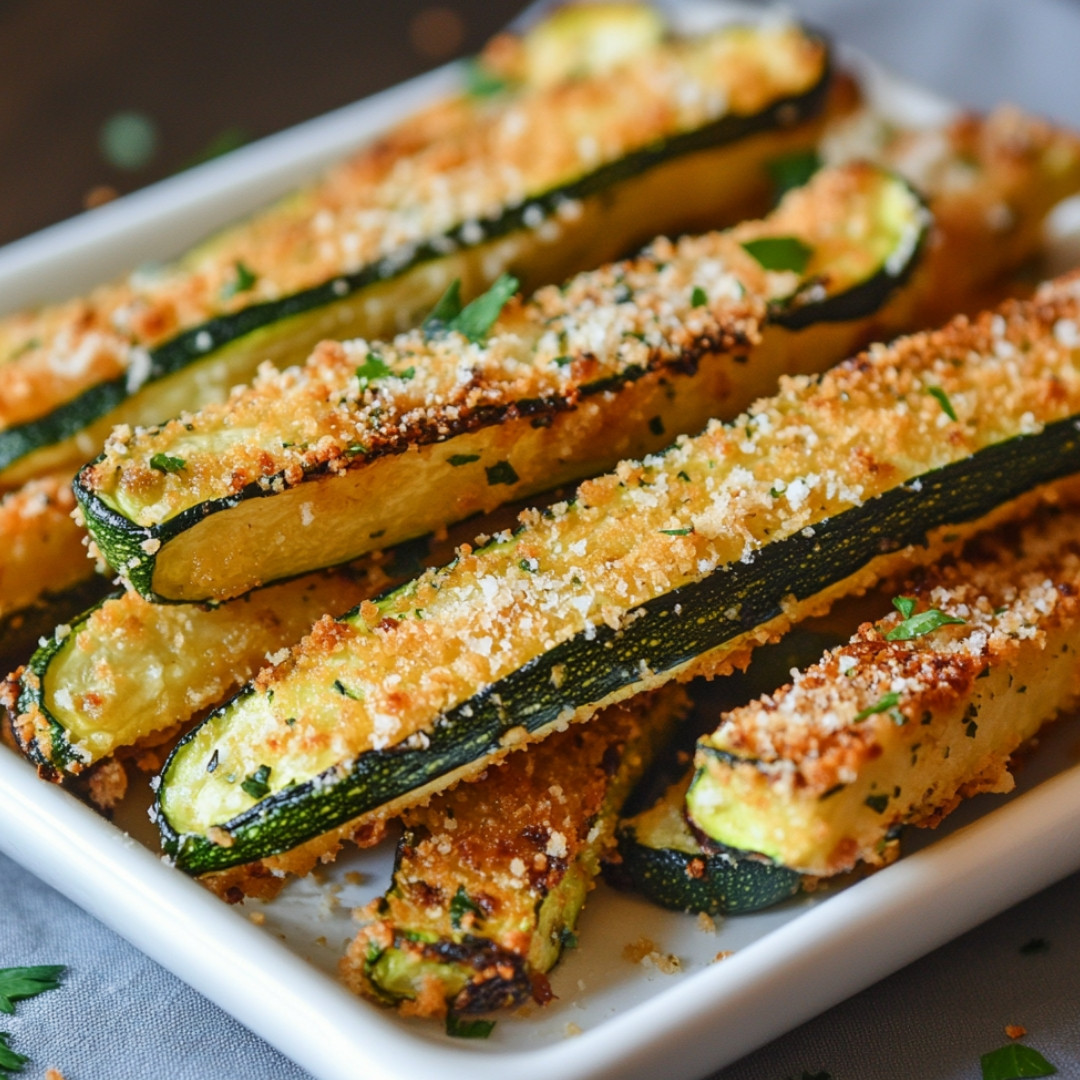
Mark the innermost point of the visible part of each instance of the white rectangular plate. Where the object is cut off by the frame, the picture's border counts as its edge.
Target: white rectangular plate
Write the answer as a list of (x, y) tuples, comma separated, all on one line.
[(787, 964)]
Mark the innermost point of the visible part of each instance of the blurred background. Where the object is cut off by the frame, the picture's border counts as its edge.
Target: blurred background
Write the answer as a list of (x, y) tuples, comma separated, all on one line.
[(98, 99)]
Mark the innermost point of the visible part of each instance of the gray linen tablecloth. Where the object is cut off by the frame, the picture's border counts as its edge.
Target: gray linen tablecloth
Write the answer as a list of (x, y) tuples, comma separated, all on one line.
[(120, 1015)]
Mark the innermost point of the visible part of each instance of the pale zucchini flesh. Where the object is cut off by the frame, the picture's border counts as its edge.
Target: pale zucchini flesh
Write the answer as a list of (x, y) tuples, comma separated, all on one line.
[(127, 670), (322, 465), (490, 878), (881, 733), (660, 857), (666, 568), (347, 256)]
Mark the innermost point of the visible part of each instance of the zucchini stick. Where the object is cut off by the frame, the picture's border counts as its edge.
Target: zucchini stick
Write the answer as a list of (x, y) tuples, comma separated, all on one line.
[(373, 443), (490, 878), (667, 568), (660, 857), (919, 710), (44, 570), (548, 175), (127, 673)]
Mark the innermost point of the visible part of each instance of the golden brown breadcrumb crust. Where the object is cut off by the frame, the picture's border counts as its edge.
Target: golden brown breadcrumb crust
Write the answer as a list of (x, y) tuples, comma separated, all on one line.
[(1013, 610), (817, 448), (41, 548), (457, 162), (508, 840)]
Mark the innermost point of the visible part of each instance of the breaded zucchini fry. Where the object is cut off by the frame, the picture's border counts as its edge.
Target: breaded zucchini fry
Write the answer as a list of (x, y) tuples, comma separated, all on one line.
[(372, 443), (916, 712), (490, 878), (546, 177), (674, 566)]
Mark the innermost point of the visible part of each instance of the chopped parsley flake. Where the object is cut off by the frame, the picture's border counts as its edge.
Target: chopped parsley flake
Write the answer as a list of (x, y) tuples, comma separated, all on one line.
[(474, 320), (482, 82), (9, 1060), (21, 983), (342, 689), (792, 170), (502, 472), (563, 361), (457, 460), (256, 784), (677, 532), (1035, 946), (166, 464), (878, 803), (943, 400), (243, 280), (1013, 1062), (468, 1029), (698, 298), (883, 704), (460, 905), (445, 311), (656, 426), (567, 938), (779, 253), (913, 626), (374, 367)]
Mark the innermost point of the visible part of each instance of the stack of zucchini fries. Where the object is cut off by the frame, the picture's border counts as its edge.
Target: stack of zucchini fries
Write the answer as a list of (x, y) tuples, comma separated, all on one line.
[(269, 439)]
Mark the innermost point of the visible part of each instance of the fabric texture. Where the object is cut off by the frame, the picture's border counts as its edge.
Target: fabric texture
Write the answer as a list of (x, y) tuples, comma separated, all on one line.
[(120, 1015)]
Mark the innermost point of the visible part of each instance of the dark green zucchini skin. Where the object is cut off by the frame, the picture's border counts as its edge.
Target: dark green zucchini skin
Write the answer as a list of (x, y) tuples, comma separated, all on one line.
[(714, 884), (122, 542), (201, 342), (663, 635)]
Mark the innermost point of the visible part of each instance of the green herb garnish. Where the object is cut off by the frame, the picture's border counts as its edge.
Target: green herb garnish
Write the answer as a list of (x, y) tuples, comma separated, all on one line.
[(482, 82), (457, 460), (878, 803), (792, 170), (445, 311), (1035, 946), (460, 905), (468, 1029), (779, 253), (1013, 1062), (243, 280), (883, 704), (656, 426), (567, 938), (677, 532), (224, 142), (9, 1060), (256, 784), (21, 983), (373, 367), (943, 400), (342, 689), (698, 297), (502, 472), (165, 463), (913, 626), (477, 318)]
